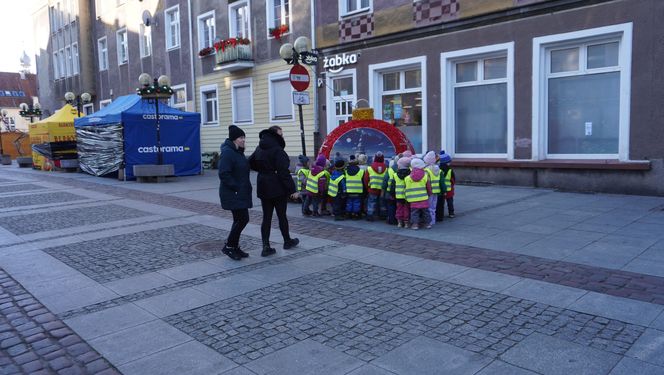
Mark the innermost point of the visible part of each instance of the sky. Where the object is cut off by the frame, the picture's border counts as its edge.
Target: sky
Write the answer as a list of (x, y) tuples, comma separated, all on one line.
[(16, 34)]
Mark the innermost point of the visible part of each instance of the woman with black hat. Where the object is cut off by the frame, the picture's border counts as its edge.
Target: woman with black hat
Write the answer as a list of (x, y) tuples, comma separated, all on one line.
[(235, 189), (274, 185)]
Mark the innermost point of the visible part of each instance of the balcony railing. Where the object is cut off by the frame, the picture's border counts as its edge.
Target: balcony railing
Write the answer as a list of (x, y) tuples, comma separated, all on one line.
[(234, 57)]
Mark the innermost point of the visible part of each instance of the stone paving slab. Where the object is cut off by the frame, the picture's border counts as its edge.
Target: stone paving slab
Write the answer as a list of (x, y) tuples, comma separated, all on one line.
[(635, 312), (33, 340), (109, 321), (630, 366), (39, 200), (649, 347), (501, 368), (175, 302), (551, 294)]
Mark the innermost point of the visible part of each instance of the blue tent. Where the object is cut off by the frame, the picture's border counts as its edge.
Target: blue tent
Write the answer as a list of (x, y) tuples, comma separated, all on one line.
[(130, 121)]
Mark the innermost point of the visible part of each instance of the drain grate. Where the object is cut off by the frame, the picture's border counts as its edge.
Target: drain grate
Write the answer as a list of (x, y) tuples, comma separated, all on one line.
[(203, 248)]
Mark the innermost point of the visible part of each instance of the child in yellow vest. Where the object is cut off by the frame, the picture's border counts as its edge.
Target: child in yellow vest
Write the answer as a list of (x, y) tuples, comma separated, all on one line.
[(302, 173), (317, 185), (434, 174), (418, 190), (403, 209), (354, 188)]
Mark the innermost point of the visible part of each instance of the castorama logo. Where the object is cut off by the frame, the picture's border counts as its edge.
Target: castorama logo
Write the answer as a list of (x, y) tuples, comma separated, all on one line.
[(153, 149)]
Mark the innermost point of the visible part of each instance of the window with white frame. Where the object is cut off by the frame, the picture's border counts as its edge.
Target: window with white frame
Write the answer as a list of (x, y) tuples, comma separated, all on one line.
[(347, 7), (172, 16), (74, 54), (179, 98), (477, 101), (145, 40), (400, 88), (582, 94), (238, 18), (102, 47), (123, 47), (206, 30), (242, 102), (209, 105), (278, 13), (56, 71), (61, 63), (104, 103), (341, 97), (281, 97), (68, 62), (88, 108)]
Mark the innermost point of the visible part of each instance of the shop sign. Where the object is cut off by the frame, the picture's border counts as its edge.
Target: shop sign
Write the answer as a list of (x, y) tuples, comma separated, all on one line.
[(336, 63)]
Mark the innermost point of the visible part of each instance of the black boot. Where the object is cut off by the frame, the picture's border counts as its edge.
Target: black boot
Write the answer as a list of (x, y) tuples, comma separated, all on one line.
[(291, 243), (231, 252), (242, 253), (267, 250)]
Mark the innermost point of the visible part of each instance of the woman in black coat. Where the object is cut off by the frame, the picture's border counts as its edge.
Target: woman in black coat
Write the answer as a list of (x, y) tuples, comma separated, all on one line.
[(235, 188), (274, 185)]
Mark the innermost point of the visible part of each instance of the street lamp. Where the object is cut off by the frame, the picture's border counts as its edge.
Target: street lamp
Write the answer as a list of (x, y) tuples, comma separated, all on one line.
[(27, 112), (160, 89), (293, 54), (84, 98)]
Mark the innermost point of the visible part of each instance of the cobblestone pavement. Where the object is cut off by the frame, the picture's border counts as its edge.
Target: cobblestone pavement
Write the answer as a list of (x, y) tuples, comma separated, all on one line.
[(367, 311), (34, 341), (46, 221), (21, 187), (34, 199)]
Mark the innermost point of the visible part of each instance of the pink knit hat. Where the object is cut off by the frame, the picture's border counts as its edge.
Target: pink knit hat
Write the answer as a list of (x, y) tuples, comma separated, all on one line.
[(430, 158), (417, 163), (320, 160), (403, 162)]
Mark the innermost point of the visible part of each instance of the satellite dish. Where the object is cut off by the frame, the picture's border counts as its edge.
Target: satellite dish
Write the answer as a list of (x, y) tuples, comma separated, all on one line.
[(147, 18)]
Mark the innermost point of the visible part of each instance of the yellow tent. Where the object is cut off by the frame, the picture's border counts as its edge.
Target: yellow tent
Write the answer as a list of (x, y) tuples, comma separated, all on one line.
[(56, 132)]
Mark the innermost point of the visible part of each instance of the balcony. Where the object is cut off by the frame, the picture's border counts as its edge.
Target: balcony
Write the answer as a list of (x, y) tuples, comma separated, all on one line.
[(234, 54)]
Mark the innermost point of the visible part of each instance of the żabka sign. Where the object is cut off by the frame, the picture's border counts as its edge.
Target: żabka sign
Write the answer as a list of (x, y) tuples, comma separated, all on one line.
[(336, 63)]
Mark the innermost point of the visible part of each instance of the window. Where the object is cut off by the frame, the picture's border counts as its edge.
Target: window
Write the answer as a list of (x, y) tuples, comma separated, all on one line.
[(209, 105), (239, 19), (399, 93), (281, 97), (61, 63), (56, 71), (88, 109), (102, 46), (52, 18), (68, 62), (206, 30), (478, 101), (179, 98), (145, 40), (74, 53), (172, 16), (104, 103), (278, 13), (581, 94), (340, 97), (242, 102), (348, 7), (123, 47)]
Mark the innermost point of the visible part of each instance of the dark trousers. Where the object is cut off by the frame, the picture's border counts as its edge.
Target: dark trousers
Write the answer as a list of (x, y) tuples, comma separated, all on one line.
[(338, 205), (391, 206), (279, 204), (440, 207), (240, 220)]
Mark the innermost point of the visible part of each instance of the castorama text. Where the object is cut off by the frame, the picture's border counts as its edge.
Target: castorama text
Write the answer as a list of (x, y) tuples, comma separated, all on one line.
[(151, 149)]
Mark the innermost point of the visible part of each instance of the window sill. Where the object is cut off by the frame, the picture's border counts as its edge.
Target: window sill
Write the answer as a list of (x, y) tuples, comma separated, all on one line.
[(169, 49), (635, 165), (355, 13), (210, 124)]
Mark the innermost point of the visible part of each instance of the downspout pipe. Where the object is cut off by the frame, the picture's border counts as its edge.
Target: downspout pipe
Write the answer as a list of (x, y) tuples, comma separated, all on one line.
[(193, 76), (315, 80)]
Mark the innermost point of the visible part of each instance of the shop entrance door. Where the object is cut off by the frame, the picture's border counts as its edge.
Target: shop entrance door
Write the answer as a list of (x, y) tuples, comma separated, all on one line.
[(342, 98)]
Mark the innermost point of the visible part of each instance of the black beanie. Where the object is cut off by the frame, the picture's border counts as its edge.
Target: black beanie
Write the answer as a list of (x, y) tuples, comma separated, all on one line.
[(234, 133)]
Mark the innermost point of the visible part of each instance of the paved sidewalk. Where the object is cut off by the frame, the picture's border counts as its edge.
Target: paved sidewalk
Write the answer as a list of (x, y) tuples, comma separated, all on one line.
[(122, 277)]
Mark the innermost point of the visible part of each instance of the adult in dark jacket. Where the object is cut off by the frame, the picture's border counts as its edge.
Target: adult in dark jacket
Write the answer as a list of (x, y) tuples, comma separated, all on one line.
[(235, 188), (274, 185)]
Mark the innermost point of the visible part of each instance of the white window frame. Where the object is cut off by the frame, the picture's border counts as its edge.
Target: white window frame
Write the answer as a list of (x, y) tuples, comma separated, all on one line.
[(201, 92), (241, 83), (89, 105), (329, 96), (620, 32), (74, 55), (232, 8), (69, 66), (269, 14), (344, 12), (119, 45), (104, 103), (278, 76), (200, 20), (62, 63), (103, 58), (447, 85), (142, 32), (168, 27), (375, 83), (56, 70), (183, 107)]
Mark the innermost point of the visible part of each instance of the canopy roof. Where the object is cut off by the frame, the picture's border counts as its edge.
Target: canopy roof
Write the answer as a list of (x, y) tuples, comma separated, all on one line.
[(66, 114)]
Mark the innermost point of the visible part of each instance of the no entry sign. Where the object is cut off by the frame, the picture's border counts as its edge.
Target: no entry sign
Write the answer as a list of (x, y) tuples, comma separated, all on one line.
[(299, 77)]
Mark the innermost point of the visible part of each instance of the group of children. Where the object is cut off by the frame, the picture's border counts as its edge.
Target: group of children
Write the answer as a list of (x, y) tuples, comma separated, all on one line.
[(410, 191)]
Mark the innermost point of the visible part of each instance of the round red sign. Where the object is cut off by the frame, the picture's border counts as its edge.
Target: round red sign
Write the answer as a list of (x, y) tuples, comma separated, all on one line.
[(299, 77)]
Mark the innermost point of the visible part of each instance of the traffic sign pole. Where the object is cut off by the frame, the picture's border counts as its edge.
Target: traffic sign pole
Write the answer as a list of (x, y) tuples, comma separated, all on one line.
[(299, 79)]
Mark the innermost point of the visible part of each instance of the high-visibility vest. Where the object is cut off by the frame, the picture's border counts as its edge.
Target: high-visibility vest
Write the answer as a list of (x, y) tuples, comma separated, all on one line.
[(375, 179), (448, 180), (399, 187), (416, 191), (312, 181), (435, 181), (304, 172), (333, 187), (354, 183)]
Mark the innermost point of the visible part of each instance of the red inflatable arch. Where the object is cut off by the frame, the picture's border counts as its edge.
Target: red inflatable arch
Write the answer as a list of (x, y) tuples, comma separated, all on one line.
[(365, 136)]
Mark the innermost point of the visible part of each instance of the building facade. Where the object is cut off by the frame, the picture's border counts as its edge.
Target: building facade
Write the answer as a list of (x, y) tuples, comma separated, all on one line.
[(559, 94)]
